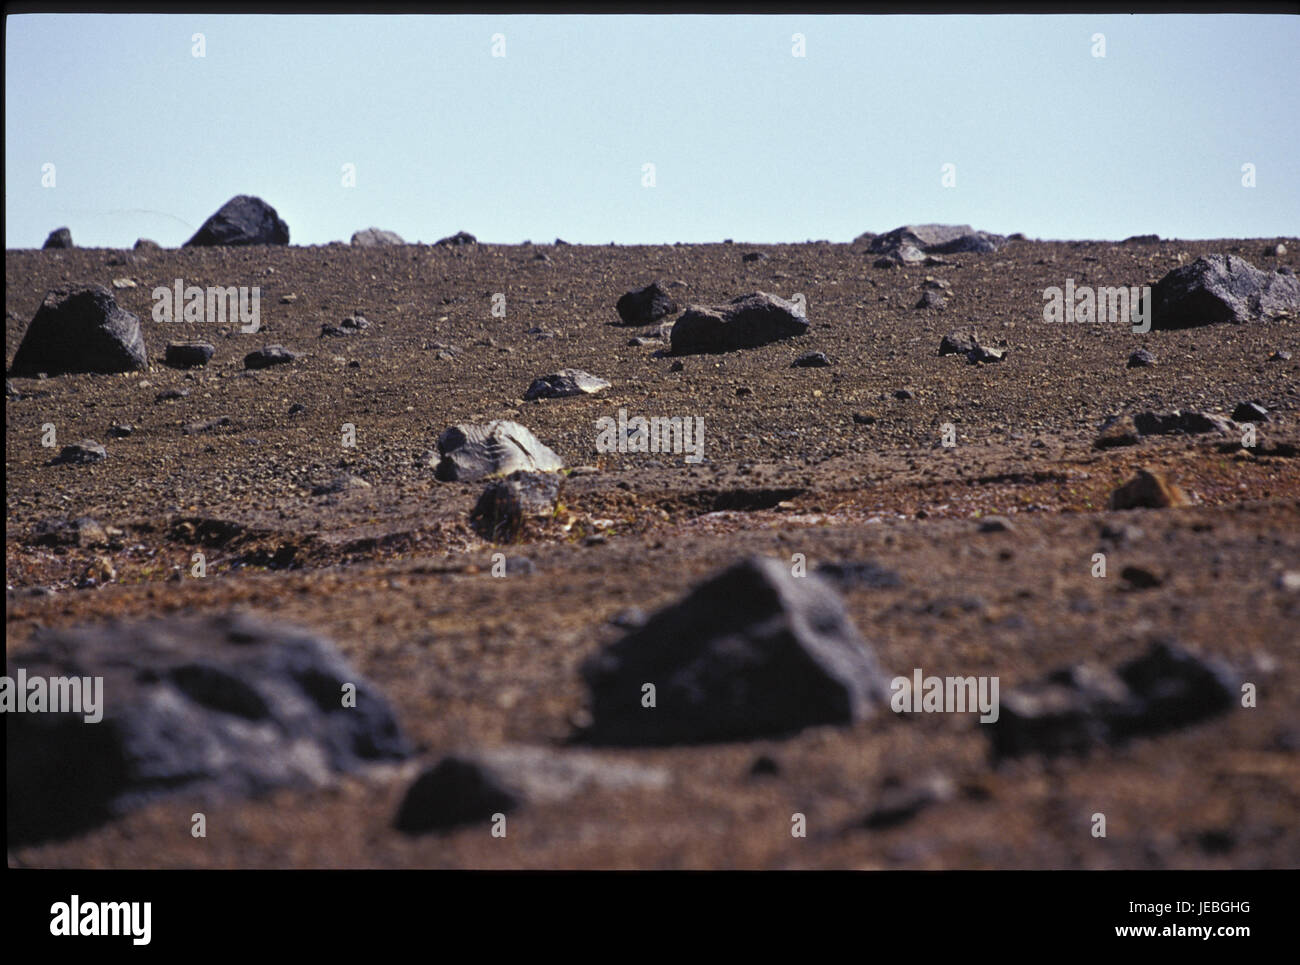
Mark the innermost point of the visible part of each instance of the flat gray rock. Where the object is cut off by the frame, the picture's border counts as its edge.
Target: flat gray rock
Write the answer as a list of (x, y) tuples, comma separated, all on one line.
[(212, 707), (499, 447), (753, 652), (81, 330)]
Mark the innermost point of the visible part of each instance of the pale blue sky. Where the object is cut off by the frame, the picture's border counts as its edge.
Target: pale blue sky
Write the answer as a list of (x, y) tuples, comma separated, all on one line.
[(748, 141)]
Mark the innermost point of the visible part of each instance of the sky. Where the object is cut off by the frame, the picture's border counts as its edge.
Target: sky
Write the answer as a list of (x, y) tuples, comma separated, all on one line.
[(747, 140)]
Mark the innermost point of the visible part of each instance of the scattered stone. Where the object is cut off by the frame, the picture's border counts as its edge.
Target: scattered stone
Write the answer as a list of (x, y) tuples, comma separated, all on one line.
[(82, 453), (376, 238), (1281, 355), (676, 367), (752, 652), (60, 531), (1139, 578), (505, 505), (1250, 412), (935, 284), (811, 360), (296, 408), (864, 418), (339, 484), (764, 766), (459, 238), (982, 354), (243, 220), (632, 618), (98, 571), (120, 283), (214, 707), (352, 325), (641, 306), (116, 431), (1222, 288), (472, 788), (565, 383), (146, 244), (288, 299), (960, 342), (267, 356), (1190, 422), (899, 802), (58, 238), (936, 239), (1117, 431), (81, 330), (500, 447), (186, 355), (1141, 359), (850, 574), (221, 422), (747, 321), (903, 395), (1141, 240), (170, 395), (930, 299), (1079, 707), (1275, 251), (995, 524), (1147, 490), (753, 256)]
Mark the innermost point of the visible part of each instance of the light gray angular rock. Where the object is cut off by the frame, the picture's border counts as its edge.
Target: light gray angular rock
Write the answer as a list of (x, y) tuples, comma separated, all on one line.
[(375, 238), (499, 447), (753, 652)]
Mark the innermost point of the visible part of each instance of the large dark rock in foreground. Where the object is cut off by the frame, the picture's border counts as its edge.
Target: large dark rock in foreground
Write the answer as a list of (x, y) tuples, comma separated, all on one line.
[(1078, 708), (81, 330), (58, 238), (753, 652), (213, 707), (641, 306), (243, 220), (1222, 288), (936, 239), (499, 447), (745, 322)]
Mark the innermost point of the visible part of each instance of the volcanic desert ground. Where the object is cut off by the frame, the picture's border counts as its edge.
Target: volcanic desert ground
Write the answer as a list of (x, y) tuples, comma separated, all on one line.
[(313, 641)]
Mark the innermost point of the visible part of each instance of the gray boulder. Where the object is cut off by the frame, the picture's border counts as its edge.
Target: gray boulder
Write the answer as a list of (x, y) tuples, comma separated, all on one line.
[(58, 238), (214, 707), (1077, 708), (745, 322), (499, 447), (502, 509), (936, 239), (376, 237), (81, 330), (753, 652), (243, 220), (1222, 288), (641, 306)]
